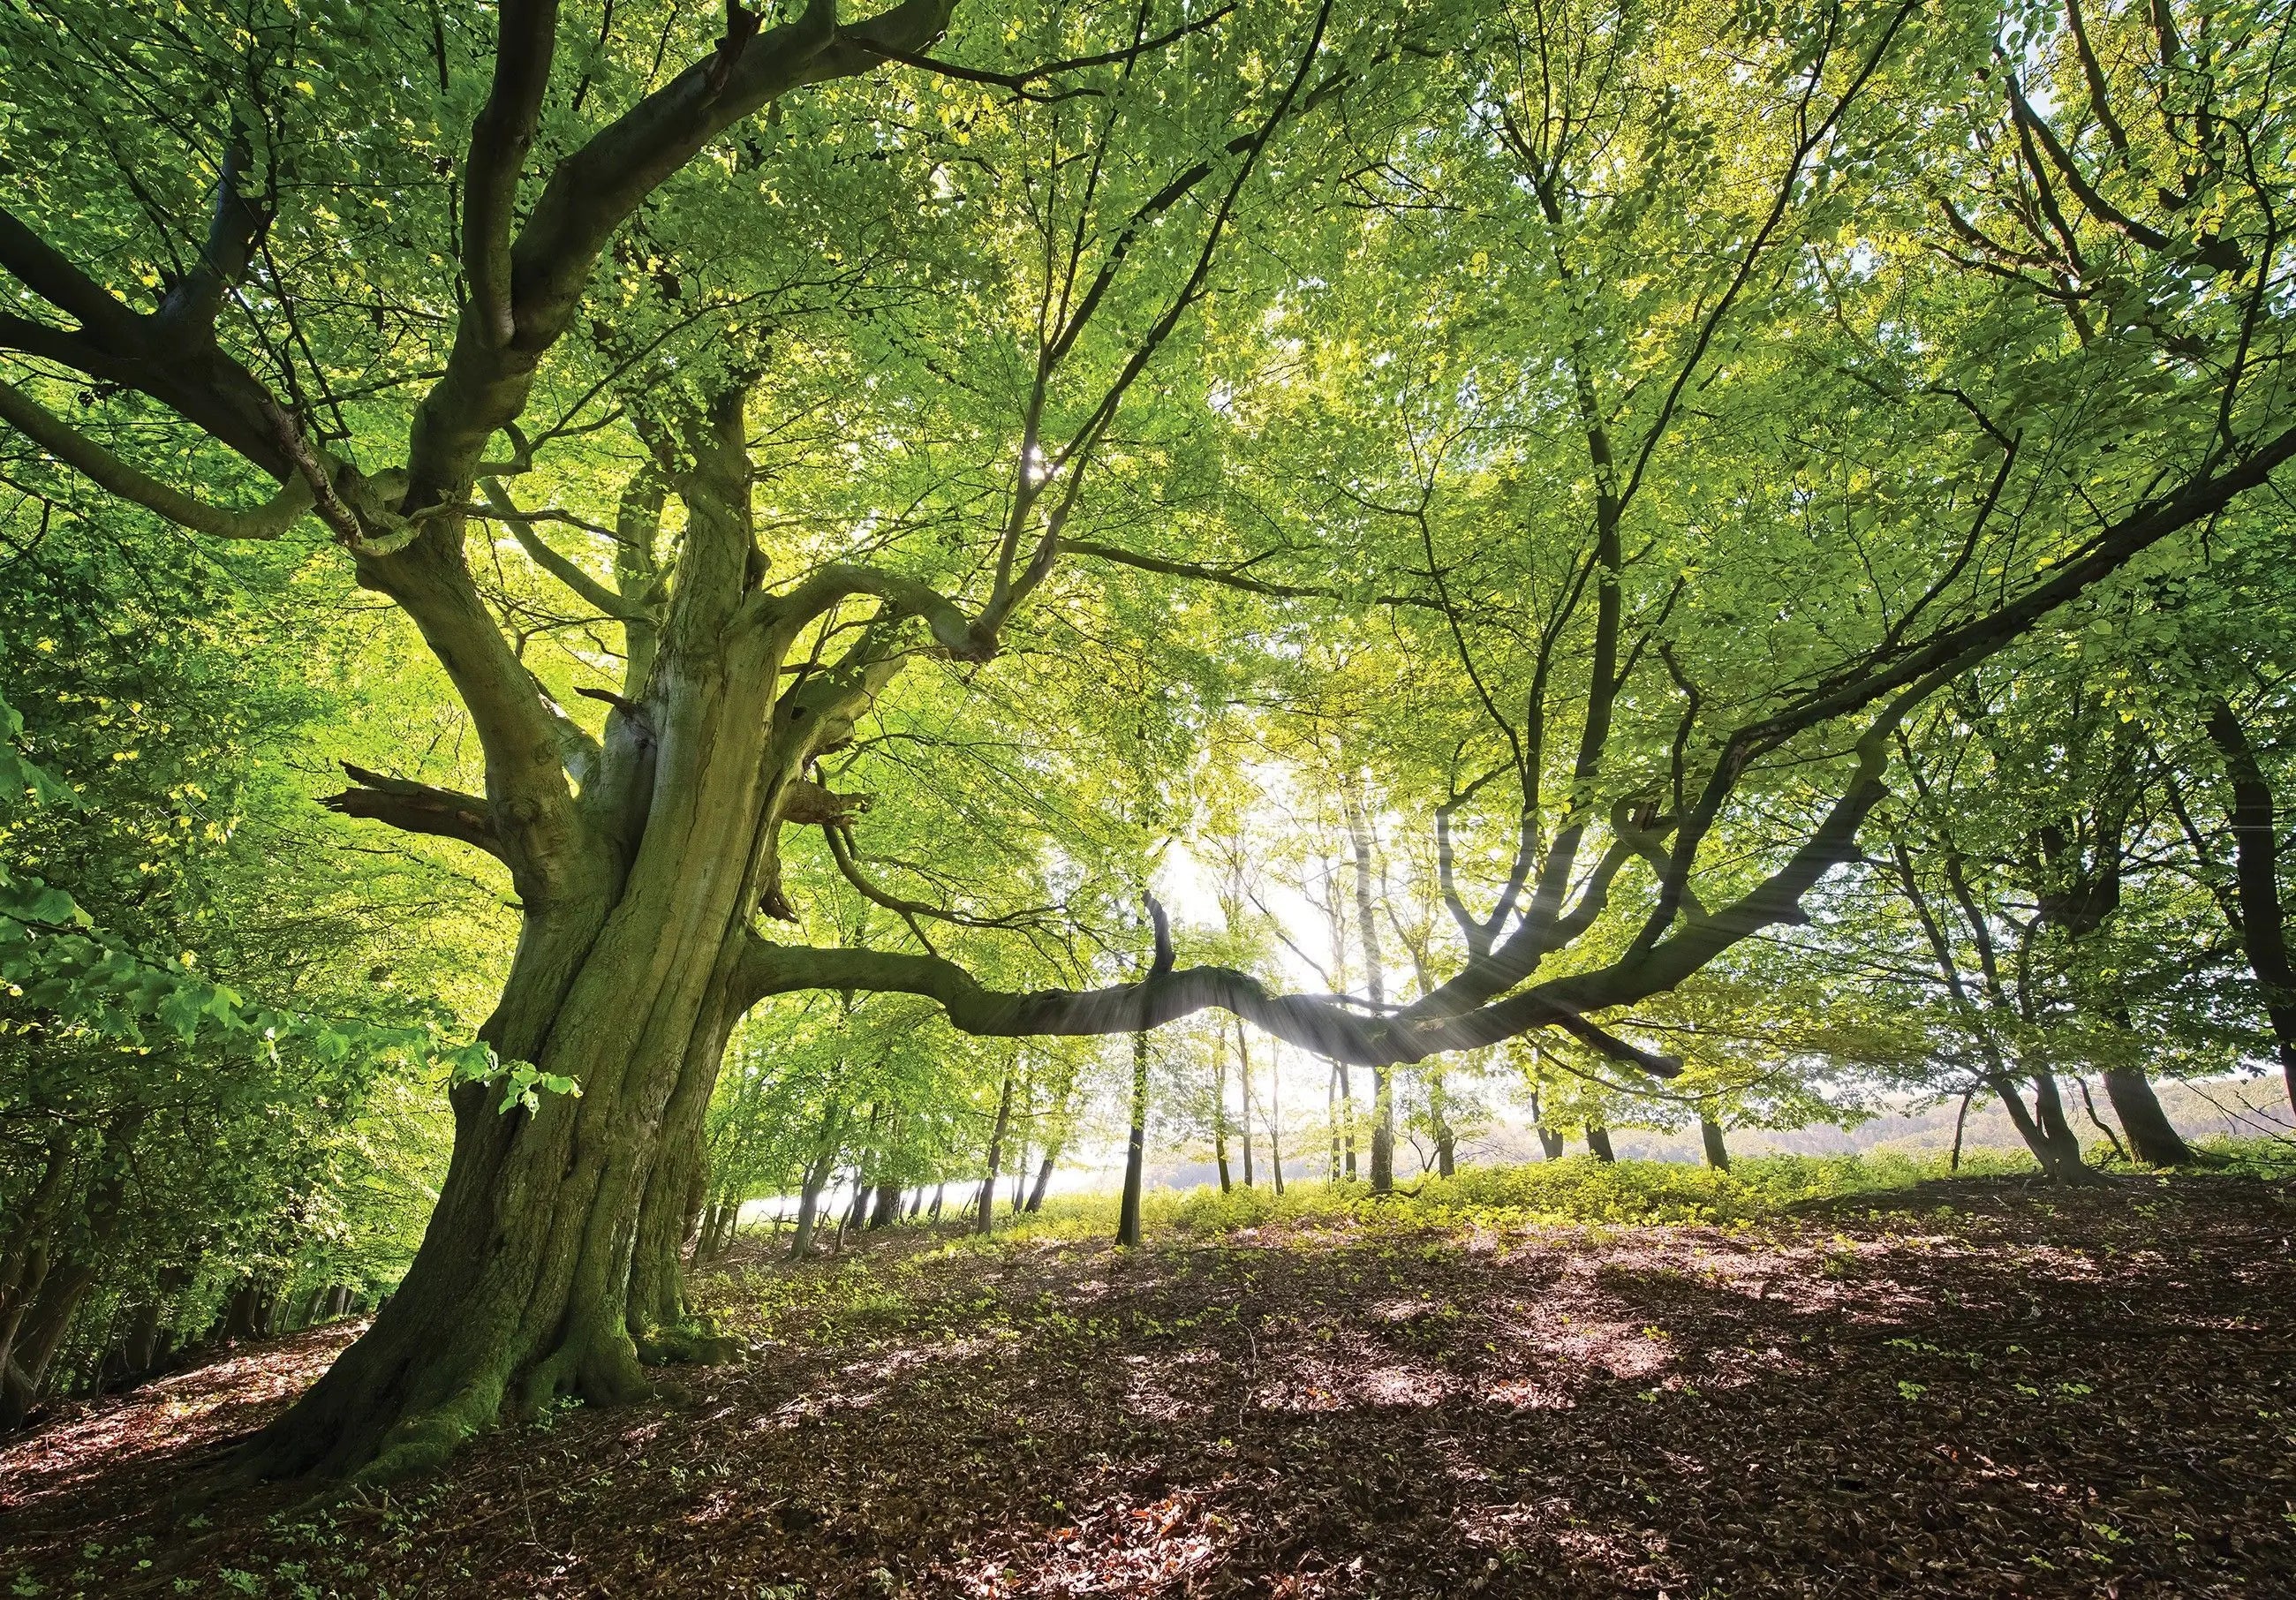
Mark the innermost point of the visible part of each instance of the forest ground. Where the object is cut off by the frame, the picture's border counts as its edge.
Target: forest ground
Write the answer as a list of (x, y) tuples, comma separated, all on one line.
[(1974, 1387)]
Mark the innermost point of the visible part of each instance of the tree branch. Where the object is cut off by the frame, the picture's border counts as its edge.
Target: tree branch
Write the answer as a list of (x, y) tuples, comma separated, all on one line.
[(107, 471), (416, 809)]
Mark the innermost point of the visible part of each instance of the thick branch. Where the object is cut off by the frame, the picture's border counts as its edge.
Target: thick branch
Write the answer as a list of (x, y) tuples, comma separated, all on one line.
[(526, 35), (1317, 1024), (107, 471), (416, 807)]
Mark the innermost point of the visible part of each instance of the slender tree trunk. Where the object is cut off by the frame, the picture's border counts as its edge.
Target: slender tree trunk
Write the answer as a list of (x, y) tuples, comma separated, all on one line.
[(1275, 1119), (1598, 1142), (1244, 1079), (1043, 1178), (1136, 1151), (40, 1333), (1219, 1108), (1960, 1122), (986, 1217), (2263, 927), (1717, 1154), (816, 1178), (940, 1192), (1550, 1142), (2088, 1105), (1447, 1142), (1382, 1079)]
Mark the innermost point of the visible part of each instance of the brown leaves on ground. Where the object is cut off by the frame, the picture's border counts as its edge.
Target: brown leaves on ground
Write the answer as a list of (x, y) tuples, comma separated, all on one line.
[(1982, 1389)]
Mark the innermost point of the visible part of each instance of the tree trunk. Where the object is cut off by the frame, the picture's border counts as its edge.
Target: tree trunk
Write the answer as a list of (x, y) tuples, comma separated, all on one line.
[(1717, 1154), (986, 1218), (2043, 1127), (1275, 1118), (1135, 1151), (657, 1320), (1219, 1108), (2152, 1138), (40, 1331), (1244, 1081), (637, 899), (1043, 1178), (1598, 1142), (2256, 882), (1550, 1142), (817, 1178), (1447, 1142), (1382, 1079), (941, 1193), (887, 1212)]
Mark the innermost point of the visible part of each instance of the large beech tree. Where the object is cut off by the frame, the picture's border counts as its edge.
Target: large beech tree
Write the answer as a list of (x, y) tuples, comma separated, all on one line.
[(1695, 396)]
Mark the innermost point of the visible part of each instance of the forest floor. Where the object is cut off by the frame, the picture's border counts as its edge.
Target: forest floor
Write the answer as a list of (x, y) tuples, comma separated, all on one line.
[(1977, 1387)]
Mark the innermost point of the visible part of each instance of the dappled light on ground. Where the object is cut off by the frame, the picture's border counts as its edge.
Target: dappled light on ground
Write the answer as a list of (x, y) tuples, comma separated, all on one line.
[(1984, 1389)]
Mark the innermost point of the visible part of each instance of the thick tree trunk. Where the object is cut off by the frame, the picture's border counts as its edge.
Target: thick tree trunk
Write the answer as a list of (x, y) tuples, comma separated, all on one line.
[(1136, 1151), (522, 1288), (1717, 1154), (1598, 1142), (2152, 1138)]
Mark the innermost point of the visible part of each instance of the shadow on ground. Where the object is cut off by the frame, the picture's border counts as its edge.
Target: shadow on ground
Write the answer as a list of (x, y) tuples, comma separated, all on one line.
[(1981, 1389)]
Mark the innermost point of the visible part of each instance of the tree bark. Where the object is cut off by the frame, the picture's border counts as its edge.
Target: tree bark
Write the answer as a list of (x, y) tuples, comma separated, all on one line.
[(1135, 1150), (2152, 1138), (816, 1178), (2043, 1127), (1717, 1154), (1382, 1079), (986, 1212), (1244, 1080), (1598, 1143), (1044, 1180), (40, 1333), (2256, 882), (1219, 1108)]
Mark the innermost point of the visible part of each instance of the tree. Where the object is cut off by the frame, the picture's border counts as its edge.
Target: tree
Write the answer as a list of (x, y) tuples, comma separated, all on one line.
[(1688, 737)]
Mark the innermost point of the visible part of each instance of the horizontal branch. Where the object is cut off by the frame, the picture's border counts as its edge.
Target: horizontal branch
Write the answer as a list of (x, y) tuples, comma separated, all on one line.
[(416, 807), (1232, 577), (1315, 1023), (107, 471)]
